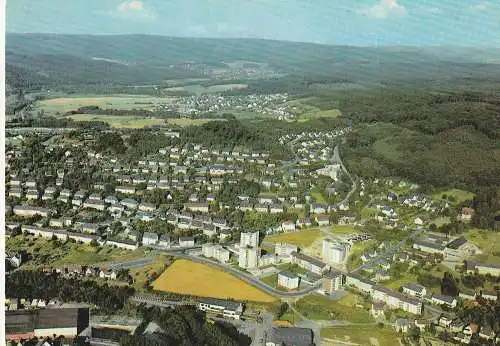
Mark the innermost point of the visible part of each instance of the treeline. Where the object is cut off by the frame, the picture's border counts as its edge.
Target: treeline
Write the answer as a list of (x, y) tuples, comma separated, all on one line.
[(37, 284), (123, 112), (183, 326), (54, 122)]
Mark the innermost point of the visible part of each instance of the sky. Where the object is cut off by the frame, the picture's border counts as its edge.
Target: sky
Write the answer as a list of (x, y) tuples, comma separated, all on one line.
[(344, 22)]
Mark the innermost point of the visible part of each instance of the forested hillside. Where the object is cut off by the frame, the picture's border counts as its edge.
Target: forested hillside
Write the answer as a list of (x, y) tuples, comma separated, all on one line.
[(445, 139)]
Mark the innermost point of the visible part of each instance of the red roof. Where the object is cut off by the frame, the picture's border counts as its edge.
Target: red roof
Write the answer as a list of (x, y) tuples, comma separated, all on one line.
[(468, 211)]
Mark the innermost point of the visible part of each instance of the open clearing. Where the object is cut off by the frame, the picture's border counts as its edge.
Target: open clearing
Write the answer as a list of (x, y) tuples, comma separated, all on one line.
[(458, 196), (362, 335), (59, 254), (119, 121), (318, 307), (66, 104), (191, 278), (200, 89), (301, 239), (344, 229), (142, 274), (488, 242), (305, 111)]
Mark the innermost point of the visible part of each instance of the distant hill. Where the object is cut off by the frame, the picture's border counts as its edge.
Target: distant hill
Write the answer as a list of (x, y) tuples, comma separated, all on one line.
[(142, 59)]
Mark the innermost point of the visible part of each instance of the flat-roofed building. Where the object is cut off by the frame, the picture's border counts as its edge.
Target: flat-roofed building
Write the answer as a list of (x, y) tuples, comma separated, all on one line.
[(226, 308), (288, 280), (333, 281)]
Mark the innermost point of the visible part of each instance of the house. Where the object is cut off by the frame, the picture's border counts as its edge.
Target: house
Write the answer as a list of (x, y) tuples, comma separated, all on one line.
[(201, 207), (382, 275), (288, 280), (309, 263), (94, 204), (126, 189), (32, 194), (292, 336), (149, 238), (27, 211), (111, 200), (129, 203), (186, 241), (442, 299), (489, 295), (107, 274), (164, 240), (359, 282), (322, 220), (225, 308), (401, 325), (90, 228), (428, 247), (319, 208), (491, 269), (288, 226), (470, 329), (332, 281), (377, 309), (467, 294), (276, 208), (467, 214), (43, 323), (123, 244), (458, 249), (147, 207), (486, 332), (16, 192), (415, 290), (303, 222)]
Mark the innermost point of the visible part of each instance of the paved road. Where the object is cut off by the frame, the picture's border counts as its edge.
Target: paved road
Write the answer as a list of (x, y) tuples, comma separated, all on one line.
[(244, 276), (130, 264)]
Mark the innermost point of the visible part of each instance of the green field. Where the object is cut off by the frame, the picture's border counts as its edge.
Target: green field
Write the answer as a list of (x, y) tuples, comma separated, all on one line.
[(362, 334), (305, 111), (343, 229), (317, 307), (488, 242), (188, 122), (440, 221), (357, 250), (59, 254), (457, 196), (317, 195), (272, 280), (200, 89), (302, 238), (66, 104)]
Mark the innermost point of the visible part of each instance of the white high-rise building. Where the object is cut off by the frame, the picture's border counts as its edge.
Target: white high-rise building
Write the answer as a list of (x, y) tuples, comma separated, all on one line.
[(249, 257), (215, 251), (249, 239), (334, 252)]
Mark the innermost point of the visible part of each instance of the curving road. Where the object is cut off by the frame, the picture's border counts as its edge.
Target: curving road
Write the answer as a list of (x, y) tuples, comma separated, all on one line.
[(244, 276)]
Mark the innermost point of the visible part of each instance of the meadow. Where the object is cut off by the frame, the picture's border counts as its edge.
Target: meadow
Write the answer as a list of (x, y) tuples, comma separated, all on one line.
[(301, 238), (305, 110), (362, 335), (318, 307), (457, 196), (67, 253), (126, 102), (196, 279), (200, 89), (488, 242)]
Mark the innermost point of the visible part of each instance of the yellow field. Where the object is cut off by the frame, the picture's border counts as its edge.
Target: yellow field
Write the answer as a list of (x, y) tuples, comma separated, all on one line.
[(191, 278), (301, 239), (487, 241)]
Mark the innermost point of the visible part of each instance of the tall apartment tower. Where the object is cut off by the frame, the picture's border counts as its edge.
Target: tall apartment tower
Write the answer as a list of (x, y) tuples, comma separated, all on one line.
[(249, 239)]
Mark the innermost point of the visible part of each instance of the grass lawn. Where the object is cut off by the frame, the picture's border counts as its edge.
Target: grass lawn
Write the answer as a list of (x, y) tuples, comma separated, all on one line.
[(367, 212), (357, 250), (291, 317), (292, 268), (302, 238), (196, 279), (318, 196), (66, 104), (142, 274), (488, 242), (362, 334), (457, 195), (440, 221), (343, 229), (46, 251), (317, 307)]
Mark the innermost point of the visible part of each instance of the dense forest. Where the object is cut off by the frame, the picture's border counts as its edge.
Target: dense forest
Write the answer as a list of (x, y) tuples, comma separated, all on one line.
[(439, 140)]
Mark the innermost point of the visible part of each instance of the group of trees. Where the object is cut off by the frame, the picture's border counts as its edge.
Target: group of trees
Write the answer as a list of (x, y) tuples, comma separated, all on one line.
[(123, 112), (37, 284), (183, 326)]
